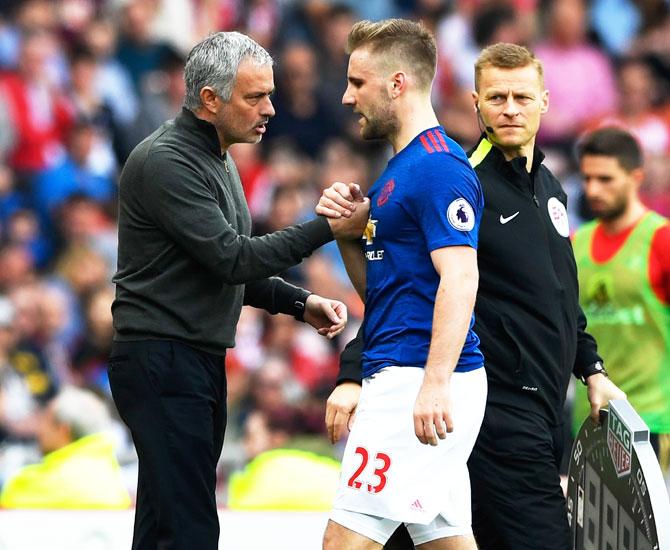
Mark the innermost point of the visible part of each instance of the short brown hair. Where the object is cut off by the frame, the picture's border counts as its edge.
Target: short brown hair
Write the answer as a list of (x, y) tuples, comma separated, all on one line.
[(612, 142), (398, 39), (506, 56)]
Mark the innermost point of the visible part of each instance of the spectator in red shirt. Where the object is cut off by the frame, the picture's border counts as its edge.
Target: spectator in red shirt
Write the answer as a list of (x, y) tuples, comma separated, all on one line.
[(40, 117)]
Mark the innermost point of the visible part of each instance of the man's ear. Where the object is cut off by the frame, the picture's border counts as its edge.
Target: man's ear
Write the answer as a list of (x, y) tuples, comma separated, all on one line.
[(397, 84), (638, 176), (545, 102), (208, 98)]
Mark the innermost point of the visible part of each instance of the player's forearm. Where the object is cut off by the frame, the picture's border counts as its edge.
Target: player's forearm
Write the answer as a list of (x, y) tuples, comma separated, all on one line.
[(354, 261), (454, 302)]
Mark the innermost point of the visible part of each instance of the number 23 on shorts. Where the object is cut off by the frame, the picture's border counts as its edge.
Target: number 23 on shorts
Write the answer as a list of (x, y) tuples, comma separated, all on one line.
[(379, 471)]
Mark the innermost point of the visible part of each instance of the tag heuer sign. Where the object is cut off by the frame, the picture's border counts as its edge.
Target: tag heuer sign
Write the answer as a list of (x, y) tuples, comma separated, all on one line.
[(617, 498), (619, 442)]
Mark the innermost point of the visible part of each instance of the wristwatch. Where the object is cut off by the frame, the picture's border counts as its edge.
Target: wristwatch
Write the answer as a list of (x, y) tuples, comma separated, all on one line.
[(595, 368), (299, 305)]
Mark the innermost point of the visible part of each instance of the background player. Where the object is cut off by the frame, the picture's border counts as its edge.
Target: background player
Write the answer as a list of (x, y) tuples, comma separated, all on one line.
[(624, 280)]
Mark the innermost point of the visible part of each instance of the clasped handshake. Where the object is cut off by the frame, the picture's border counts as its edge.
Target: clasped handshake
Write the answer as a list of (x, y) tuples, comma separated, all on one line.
[(347, 212), (346, 208)]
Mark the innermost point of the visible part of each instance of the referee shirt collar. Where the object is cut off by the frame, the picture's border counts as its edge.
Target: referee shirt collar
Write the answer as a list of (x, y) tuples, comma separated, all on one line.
[(516, 166)]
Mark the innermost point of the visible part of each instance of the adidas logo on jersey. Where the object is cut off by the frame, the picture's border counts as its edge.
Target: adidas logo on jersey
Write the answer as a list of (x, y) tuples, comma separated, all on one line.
[(416, 505)]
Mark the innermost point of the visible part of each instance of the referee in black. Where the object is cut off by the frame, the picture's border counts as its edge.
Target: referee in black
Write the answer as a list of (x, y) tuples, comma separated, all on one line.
[(527, 316), (186, 266)]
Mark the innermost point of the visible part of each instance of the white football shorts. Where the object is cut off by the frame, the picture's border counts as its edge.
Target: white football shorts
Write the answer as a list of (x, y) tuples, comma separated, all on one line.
[(389, 477)]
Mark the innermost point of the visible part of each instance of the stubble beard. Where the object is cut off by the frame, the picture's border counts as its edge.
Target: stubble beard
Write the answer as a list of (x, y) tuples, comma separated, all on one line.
[(614, 212), (381, 124), (231, 127)]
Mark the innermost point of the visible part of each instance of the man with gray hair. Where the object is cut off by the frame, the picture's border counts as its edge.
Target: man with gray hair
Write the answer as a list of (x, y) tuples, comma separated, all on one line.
[(186, 266)]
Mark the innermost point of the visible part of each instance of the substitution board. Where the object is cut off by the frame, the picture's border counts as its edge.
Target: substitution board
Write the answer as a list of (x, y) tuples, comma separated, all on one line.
[(617, 498)]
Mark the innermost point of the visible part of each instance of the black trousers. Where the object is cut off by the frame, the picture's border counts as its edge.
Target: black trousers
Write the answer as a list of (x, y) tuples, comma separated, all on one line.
[(172, 397), (517, 501)]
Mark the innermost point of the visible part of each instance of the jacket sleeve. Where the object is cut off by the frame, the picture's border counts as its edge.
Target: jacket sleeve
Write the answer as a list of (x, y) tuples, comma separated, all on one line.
[(350, 360), (185, 208), (276, 296), (587, 350)]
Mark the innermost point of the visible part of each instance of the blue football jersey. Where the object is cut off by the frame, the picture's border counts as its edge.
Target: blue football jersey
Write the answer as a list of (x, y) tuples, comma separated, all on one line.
[(428, 197)]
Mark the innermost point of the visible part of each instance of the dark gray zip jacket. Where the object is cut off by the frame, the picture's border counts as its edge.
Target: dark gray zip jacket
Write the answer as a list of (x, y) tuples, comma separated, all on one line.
[(186, 260)]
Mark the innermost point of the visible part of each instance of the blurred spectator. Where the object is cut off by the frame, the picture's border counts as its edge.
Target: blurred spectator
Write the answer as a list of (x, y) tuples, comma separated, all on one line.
[(255, 176), (272, 387), (640, 93), (280, 476), (300, 22), (92, 352), (40, 115), (36, 15), (85, 225), (28, 16), (311, 361), (286, 167), (7, 135), (74, 16), (11, 199), (579, 77), (496, 23), (9, 39), (261, 20), (638, 96), (162, 100), (112, 79), (490, 24), (333, 60), (175, 23), (457, 50), (90, 105), (248, 354), (58, 328), (654, 36), (72, 176), (16, 266), (616, 22), (302, 117), (25, 381), (288, 206), (137, 50), (23, 229), (79, 469)]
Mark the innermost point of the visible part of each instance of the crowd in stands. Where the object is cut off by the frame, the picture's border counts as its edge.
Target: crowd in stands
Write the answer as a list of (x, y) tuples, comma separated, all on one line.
[(83, 81)]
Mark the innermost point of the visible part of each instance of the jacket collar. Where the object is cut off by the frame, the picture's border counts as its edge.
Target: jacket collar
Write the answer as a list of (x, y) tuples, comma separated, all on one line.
[(485, 149), (202, 130)]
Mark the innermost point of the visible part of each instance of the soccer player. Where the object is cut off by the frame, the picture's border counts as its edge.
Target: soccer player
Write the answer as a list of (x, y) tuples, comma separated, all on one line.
[(417, 271), (624, 280)]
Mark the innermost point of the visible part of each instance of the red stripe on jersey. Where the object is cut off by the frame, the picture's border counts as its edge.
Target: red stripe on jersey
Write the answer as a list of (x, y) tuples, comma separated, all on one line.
[(426, 145), (434, 141), (442, 141)]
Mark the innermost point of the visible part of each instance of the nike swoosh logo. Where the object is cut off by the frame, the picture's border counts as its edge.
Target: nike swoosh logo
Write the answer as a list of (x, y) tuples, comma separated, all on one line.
[(508, 219)]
